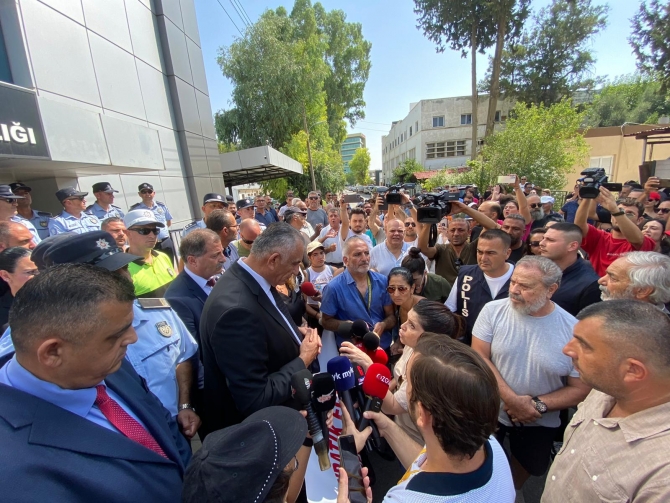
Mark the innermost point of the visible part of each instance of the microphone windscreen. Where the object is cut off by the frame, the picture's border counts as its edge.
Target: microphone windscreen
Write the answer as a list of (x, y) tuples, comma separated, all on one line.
[(323, 392), (377, 380), (380, 356), (301, 382), (360, 374), (371, 341), (343, 373), (308, 289), (344, 329), (359, 328)]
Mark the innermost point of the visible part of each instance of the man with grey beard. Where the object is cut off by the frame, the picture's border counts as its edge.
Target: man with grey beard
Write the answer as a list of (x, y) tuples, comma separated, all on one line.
[(521, 338), (541, 211)]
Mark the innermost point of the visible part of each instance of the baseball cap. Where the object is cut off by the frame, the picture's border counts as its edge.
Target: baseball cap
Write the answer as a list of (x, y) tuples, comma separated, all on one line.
[(141, 217), (547, 199), (294, 209), (103, 187), (229, 198), (244, 203), (143, 186), (68, 192), (242, 462), (40, 255), (19, 185), (654, 196), (314, 245), (97, 248), (7, 193), (209, 198)]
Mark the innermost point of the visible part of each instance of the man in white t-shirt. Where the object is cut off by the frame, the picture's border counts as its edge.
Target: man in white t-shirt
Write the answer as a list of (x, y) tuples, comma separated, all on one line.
[(353, 225), (390, 252), (522, 338), (461, 460), (330, 238)]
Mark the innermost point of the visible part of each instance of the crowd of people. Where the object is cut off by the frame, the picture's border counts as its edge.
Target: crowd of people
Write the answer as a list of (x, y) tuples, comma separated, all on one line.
[(521, 341)]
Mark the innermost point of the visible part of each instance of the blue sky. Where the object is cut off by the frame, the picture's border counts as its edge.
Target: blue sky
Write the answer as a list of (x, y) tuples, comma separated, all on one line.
[(405, 66)]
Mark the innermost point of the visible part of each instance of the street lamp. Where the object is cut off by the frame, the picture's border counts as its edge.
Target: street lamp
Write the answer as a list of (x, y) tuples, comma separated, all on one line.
[(309, 150)]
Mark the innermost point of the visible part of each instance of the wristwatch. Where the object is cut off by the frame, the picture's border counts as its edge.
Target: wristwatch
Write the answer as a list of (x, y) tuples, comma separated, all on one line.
[(185, 406), (540, 406), (618, 213)]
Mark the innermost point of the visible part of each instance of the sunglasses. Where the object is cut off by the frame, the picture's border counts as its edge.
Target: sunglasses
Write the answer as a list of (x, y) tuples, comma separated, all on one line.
[(535, 205), (663, 210), (75, 199), (247, 242), (401, 289), (314, 198), (535, 243), (146, 191), (410, 224), (8, 201), (145, 232)]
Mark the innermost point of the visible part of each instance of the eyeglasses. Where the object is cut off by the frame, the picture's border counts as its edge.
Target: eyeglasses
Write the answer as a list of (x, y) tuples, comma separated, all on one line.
[(535, 243), (663, 211), (410, 224), (145, 232), (8, 201), (535, 205), (247, 242), (146, 191), (401, 289), (313, 198)]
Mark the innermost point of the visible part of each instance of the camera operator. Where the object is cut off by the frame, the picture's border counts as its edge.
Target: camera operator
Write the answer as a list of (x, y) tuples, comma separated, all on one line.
[(604, 247)]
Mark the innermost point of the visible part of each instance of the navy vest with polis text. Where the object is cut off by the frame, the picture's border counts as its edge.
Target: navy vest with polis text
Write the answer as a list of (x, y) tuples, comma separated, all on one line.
[(473, 294)]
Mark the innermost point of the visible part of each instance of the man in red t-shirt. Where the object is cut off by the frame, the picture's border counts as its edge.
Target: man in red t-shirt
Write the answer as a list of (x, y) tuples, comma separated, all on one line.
[(605, 247)]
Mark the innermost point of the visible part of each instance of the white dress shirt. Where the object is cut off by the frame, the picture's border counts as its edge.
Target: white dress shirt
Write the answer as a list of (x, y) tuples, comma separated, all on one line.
[(200, 281)]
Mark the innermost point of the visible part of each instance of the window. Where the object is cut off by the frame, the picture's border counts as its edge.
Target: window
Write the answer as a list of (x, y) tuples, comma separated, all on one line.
[(411, 154), (5, 70), (416, 127), (402, 137), (403, 157), (466, 119), (455, 148), (497, 119), (410, 130), (434, 150), (604, 162), (438, 121)]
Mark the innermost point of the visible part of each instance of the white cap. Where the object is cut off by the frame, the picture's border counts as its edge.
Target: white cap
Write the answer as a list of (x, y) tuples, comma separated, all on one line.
[(141, 217), (547, 199)]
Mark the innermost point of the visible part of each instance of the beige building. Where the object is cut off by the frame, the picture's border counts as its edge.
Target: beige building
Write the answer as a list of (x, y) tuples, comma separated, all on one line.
[(619, 154)]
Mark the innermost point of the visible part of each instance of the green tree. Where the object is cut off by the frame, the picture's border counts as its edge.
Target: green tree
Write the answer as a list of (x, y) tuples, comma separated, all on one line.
[(630, 98), (404, 173), (360, 165), (540, 142), (651, 40), (553, 58)]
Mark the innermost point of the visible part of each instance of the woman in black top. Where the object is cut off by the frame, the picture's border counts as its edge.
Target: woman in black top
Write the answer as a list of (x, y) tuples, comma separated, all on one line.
[(16, 269)]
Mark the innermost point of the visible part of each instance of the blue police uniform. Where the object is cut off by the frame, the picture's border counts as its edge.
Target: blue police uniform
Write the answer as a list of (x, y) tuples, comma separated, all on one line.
[(161, 213), (101, 214), (40, 221), (28, 225), (198, 224), (163, 342), (69, 223)]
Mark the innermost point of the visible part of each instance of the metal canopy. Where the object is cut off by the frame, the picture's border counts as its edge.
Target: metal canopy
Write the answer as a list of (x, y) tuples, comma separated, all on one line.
[(257, 164)]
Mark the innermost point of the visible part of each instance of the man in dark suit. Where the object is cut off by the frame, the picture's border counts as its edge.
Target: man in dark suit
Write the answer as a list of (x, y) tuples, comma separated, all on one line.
[(77, 423), (250, 346)]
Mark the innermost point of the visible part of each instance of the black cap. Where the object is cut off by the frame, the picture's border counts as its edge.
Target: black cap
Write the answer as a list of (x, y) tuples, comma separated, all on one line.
[(6, 192), (41, 252), (97, 248), (145, 186), (242, 462), (244, 203), (103, 187), (230, 199), (19, 185), (63, 194), (210, 198)]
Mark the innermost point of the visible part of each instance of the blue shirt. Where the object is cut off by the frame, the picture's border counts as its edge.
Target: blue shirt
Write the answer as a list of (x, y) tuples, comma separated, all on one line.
[(570, 210), (77, 401), (101, 214), (28, 225), (161, 213), (266, 219), (40, 221), (69, 223), (198, 224), (154, 356), (342, 301)]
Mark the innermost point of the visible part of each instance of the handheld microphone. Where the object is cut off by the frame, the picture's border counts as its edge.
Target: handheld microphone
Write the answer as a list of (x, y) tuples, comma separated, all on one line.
[(358, 329), (301, 383), (308, 289), (375, 387), (370, 346), (343, 374), (323, 396), (371, 341)]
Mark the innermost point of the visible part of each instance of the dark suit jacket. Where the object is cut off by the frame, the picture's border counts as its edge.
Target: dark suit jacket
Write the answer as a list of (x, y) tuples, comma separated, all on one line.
[(247, 350), (50, 454), (187, 299)]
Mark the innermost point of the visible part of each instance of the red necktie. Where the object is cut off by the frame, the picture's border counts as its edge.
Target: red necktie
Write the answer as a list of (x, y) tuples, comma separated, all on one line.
[(124, 422)]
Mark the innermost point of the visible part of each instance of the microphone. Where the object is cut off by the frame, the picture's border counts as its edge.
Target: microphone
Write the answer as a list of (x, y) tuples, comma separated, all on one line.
[(370, 346), (323, 396), (308, 289), (375, 387), (358, 329), (343, 374), (301, 383), (371, 341)]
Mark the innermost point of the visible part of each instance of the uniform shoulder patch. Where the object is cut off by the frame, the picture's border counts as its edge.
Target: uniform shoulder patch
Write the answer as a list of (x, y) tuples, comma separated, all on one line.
[(195, 222), (153, 303), (44, 214), (135, 206)]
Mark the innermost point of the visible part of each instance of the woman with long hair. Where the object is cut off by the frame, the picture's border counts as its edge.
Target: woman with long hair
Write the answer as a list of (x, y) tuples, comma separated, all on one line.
[(426, 284), (16, 269), (655, 229)]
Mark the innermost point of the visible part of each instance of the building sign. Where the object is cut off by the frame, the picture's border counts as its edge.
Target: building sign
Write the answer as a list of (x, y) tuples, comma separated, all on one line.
[(21, 132)]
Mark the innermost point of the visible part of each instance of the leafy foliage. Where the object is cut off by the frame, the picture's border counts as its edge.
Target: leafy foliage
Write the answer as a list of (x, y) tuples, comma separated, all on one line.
[(403, 173), (631, 98), (359, 166), (553, 58), (651, 40)]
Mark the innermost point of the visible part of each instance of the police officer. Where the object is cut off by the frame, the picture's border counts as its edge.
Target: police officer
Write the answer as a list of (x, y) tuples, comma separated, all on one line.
[(73, 218), (210, 203), (160, 211), (39, 219), (164, 347), (8, 211), (103, 208), (247, 209)]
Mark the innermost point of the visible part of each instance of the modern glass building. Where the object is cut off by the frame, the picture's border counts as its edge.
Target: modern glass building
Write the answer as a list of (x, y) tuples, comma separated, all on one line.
[(354, 141)]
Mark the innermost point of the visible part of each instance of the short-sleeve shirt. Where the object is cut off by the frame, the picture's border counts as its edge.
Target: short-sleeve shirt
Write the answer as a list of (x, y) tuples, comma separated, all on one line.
[(382, 260), (198, 224), (445, 259), (162, 214), (152, 280), (436, 288), (343, 301), (528, 351), (69, 223), (266, 219), (316, 217), (603, 249), (334, 257), (570, 210), (364, 236), (40, 221), (28, 225), (102, 214)]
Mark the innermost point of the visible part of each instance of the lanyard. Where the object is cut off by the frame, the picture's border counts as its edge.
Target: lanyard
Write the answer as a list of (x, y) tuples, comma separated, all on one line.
[(369, 295)]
